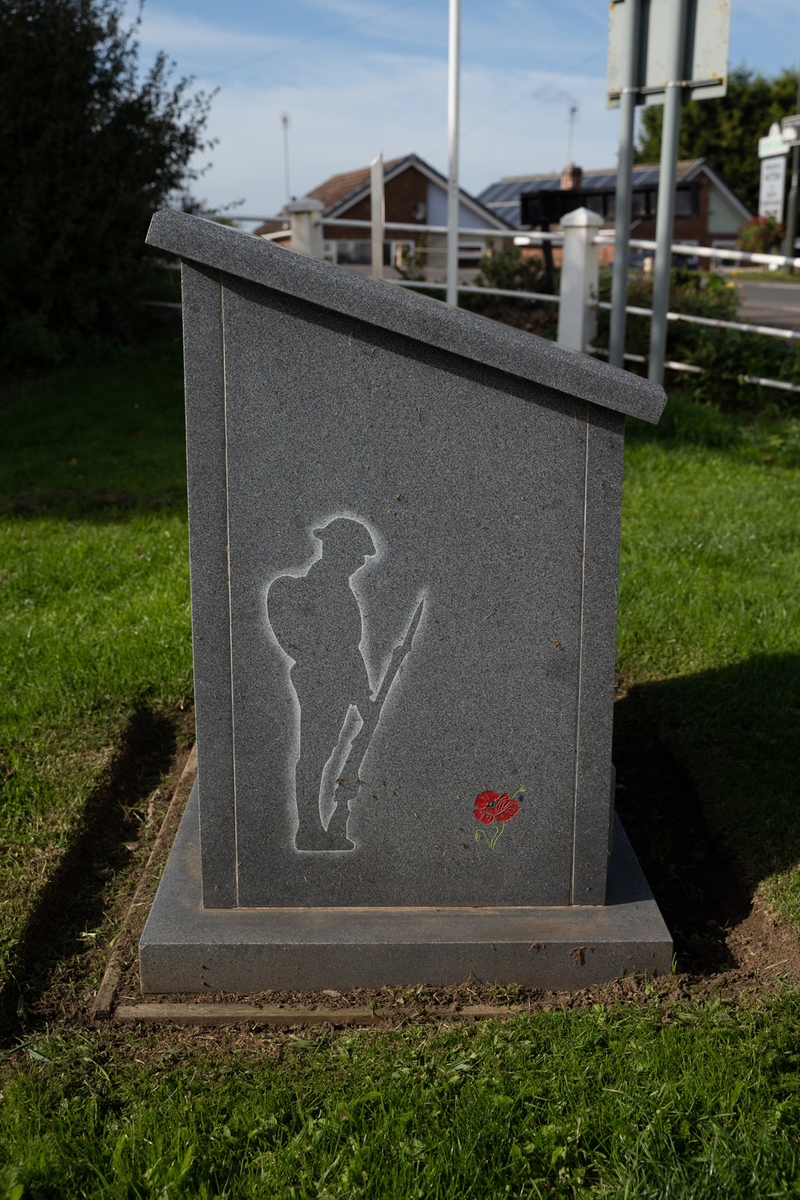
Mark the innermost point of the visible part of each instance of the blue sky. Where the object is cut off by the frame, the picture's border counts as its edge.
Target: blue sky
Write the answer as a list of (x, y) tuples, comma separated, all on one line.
[(361, 76)]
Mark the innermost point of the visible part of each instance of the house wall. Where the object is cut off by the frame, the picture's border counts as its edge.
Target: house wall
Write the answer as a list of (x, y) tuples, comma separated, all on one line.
[(717, 218), (400, 193), (437, 211), (723, 218)]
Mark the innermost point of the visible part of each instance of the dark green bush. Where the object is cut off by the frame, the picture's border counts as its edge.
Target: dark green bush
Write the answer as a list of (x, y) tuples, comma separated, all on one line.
[(89, 149), (724, 355), (508, 269)]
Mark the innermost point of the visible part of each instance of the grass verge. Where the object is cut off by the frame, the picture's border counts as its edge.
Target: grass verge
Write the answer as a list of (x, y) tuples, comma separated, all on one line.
[(94, 598), (709, 625), (670, 1099), (683, 1094)]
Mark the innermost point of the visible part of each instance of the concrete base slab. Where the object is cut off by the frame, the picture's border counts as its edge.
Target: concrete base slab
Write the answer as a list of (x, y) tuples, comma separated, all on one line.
[(186, 948)]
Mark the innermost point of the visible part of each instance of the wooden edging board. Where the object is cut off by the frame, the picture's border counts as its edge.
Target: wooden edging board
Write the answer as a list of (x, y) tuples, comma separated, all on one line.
[(287, 1017)]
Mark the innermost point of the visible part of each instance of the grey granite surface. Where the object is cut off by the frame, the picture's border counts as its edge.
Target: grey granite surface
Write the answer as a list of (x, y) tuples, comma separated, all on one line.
[(407, 539), (415, 316), (188, 948), (404, 539)]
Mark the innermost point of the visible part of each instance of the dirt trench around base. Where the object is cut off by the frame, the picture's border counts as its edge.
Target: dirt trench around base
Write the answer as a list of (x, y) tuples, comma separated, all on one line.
[(727, 945)]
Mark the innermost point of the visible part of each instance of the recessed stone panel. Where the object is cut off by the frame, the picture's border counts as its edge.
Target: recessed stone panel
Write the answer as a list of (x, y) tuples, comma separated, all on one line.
[(404, 529)]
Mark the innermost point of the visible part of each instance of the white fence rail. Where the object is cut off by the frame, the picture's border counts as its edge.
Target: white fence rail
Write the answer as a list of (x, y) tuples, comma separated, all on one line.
[(478, 291), (711, 322), (769, 260), (579, 302)]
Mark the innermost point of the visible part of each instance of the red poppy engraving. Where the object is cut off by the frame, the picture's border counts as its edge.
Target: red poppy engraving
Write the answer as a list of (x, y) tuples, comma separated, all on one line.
[(491, 807), (506, 808), (485, 806)]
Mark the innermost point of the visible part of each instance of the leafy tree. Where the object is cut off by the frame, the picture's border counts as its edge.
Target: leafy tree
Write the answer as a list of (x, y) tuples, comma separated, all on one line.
[(89, 148), (726, 131)]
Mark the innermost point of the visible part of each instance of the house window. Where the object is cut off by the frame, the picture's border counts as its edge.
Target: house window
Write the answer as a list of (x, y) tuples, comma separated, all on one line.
[(687, 196), (723, 244), (398, 254), (546, 208), (359, 253), (470, 253), (687, 260), (353, 254)]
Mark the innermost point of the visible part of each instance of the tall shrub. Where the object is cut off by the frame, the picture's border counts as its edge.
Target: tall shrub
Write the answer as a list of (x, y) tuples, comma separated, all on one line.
[(89, 148)]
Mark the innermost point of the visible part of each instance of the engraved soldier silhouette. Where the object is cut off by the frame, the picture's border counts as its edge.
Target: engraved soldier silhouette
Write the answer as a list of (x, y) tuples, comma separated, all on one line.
[(317, 619)]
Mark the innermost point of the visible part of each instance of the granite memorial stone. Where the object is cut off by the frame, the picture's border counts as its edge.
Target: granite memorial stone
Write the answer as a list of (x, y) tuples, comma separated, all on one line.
[(404, 534)]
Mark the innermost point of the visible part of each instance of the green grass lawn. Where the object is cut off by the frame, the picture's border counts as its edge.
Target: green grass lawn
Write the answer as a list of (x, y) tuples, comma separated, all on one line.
[(745, 275), (94, 595), (679, 1097), (710, 621), (683, 1100)]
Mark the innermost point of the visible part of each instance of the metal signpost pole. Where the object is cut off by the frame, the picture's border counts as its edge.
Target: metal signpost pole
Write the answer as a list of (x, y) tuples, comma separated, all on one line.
[(622, 206), (791, 207), (452, 139), (665, 213)]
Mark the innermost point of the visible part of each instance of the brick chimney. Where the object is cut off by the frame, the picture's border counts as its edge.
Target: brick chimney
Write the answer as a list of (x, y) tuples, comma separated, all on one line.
[(571, 178)]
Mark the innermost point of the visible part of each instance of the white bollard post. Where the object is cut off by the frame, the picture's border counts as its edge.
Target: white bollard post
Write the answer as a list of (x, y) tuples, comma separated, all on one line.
[(306, 218), (580, 277)]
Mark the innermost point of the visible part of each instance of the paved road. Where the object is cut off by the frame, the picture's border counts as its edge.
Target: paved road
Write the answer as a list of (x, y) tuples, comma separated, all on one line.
[(770, 304)]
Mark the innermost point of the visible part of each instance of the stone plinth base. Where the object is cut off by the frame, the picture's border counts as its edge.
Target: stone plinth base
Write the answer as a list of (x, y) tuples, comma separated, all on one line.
[(186, 948)]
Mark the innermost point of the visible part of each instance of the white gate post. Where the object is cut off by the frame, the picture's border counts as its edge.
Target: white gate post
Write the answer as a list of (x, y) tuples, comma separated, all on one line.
[(377, 214), (580, 277), (306, 218)]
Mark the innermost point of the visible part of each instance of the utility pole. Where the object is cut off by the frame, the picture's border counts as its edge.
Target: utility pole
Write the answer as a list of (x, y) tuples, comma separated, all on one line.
[(623, 203), (665, 214), (285, 122), (454, 51), (573, 108)]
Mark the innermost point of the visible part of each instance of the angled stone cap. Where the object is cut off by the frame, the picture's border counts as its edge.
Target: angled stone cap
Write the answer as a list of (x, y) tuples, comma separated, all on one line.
[(406, 313)]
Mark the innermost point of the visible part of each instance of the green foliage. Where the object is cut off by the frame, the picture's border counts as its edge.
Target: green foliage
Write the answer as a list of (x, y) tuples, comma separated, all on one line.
[(726, 131), (724, 356), (690, 1098), (94, 593), (708, 581), (89, 151), (760, 235), (508, 269), (675, 1096)]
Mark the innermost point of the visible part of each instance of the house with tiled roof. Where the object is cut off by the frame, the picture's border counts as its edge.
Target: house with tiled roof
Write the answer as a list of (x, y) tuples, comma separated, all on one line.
[(707, 210), (415, 194)]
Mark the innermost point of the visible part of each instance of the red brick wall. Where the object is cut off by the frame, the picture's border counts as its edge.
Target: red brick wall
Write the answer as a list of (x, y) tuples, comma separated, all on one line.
[(691, 230), (401, 194)]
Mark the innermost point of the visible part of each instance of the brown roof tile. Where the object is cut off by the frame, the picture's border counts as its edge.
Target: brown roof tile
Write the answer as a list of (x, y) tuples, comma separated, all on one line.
[(339, 186)]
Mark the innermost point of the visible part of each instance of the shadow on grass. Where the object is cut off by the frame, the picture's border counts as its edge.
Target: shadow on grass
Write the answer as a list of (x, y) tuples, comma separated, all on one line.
[(100, 505), (709, 773), (73, 898)]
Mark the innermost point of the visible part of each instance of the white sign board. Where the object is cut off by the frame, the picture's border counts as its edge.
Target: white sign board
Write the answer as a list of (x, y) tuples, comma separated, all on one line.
[(705, 69), (773, 181), (773, 143), (790, 130)]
